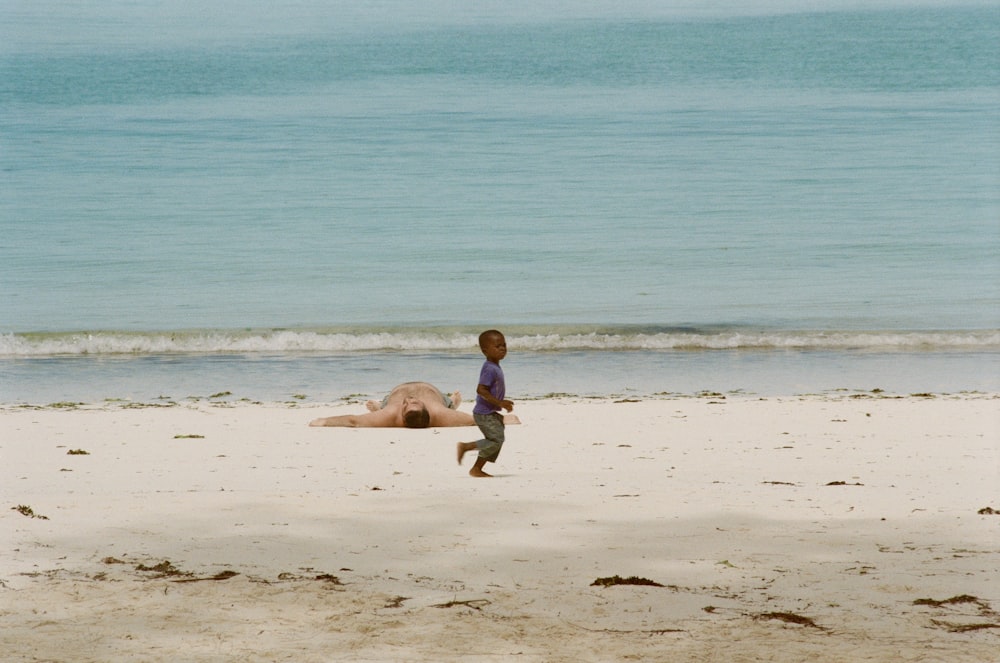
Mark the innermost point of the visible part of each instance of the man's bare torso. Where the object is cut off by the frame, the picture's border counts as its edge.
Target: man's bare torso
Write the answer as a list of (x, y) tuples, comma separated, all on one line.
[(422, 391)]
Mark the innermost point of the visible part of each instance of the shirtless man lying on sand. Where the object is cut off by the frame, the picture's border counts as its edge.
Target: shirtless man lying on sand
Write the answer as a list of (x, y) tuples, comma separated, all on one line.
[(410, 405)]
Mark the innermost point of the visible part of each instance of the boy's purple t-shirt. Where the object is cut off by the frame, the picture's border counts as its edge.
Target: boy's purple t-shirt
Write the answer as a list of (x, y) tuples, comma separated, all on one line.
[(492, 376)]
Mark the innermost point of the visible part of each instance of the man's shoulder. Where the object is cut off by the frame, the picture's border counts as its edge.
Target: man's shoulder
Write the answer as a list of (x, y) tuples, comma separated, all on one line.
[(426, 389), (415, 389), (413, 385)]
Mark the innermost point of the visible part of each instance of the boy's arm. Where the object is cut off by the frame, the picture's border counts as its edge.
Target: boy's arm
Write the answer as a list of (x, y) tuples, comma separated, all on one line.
[(484, 391)]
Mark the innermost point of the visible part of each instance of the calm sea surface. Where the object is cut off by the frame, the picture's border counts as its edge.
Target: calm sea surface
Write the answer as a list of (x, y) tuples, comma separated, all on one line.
[(647, 197)]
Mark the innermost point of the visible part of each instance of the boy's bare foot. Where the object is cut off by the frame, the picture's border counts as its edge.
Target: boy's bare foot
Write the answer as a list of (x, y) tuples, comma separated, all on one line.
[(462, 448), (373, 406), (477, 468), (456, 400)]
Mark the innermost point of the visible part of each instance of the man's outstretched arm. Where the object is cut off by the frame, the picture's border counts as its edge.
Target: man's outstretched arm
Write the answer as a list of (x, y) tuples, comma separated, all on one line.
[(379, 419), (446, 418), (449, 418)]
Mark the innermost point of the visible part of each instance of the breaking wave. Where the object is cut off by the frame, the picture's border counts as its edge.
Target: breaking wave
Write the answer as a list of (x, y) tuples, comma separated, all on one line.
[(559, 339)]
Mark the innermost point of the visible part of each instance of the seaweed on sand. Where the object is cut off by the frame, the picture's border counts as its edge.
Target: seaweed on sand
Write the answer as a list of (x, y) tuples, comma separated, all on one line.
[(618, 580), (790, 618), (26, 510)]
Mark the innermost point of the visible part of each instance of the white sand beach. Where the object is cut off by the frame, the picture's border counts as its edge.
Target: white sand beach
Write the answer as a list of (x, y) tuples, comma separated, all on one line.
[(842, 527)]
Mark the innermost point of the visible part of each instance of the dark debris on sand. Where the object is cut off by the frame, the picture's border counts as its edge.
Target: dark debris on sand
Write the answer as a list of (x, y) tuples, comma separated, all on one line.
[(789, 618), (618, 580)]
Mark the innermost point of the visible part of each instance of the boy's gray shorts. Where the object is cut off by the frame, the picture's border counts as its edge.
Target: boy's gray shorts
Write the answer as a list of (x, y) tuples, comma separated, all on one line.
[(492, 428)]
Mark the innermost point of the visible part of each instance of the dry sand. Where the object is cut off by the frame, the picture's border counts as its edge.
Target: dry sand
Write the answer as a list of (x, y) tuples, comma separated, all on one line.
[(823, 528)]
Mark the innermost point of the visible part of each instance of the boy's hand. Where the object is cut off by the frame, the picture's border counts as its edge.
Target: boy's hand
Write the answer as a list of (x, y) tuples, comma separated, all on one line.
[(507, 405)]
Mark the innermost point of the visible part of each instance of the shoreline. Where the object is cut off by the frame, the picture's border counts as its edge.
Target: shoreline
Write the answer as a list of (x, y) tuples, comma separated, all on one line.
[(634, 374), (841, 527), (227, 399)]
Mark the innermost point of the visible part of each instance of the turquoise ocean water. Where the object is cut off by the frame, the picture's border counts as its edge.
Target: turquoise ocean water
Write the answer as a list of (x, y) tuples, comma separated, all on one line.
[(332, 197)]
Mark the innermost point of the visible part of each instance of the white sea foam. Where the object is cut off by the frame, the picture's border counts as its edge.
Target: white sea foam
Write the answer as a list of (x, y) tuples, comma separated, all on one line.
[(431, 341)]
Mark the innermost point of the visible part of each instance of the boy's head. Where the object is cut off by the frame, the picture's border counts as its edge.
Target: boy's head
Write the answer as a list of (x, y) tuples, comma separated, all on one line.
[(493, 344)]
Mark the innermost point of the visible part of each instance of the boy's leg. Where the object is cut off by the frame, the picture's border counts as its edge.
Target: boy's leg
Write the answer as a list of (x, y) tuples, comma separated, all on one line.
[(492, 428), (477, 469), (489, 448), (464, 447)]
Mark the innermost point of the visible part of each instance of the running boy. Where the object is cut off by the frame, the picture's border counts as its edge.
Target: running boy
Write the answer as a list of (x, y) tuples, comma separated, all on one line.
[(490, 399)]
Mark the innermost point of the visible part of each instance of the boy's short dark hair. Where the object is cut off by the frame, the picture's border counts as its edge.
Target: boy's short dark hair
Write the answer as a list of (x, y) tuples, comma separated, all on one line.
[(417, 418), (489, 333)]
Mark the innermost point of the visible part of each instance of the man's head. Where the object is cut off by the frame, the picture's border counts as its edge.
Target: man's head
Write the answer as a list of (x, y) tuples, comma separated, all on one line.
[(415, 414)]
